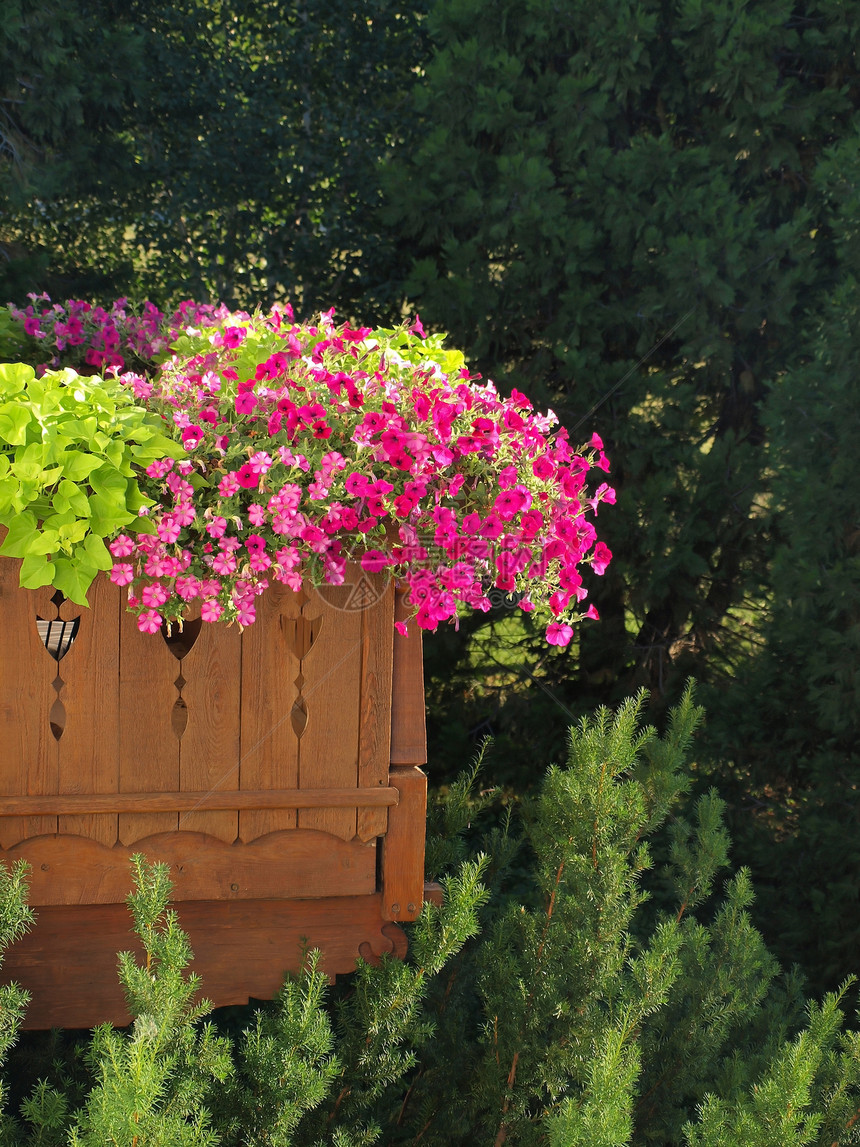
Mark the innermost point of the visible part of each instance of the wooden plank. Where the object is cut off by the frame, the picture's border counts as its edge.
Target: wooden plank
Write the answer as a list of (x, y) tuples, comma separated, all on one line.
[(89, 746), (292, 863), (268, 743), (149, 747), (374, 746), (79, 805), (28, 751), (403, 846), (241, 950), (209, 749), (408, 720), (329, 692)]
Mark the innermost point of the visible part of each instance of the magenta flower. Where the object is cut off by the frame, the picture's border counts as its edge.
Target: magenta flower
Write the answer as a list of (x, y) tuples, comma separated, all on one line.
[(228, 486), (122, 574), (234, 336), (558, 634), (192, 436), (122, 547), (154, 595), (259, 561), (245, 612), (374, 561), (254, 544), (224, 563), (149, 621), (211, 610), (247, 477), (168, 529), (492, 526), (601, 558)]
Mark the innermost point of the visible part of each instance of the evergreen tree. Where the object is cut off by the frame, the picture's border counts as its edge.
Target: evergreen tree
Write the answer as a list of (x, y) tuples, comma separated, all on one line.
[(608, 1001), (794, 755), (236, 163), (615, 208)]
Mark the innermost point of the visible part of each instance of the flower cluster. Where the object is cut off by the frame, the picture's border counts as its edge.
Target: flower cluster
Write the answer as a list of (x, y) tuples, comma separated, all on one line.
[(95, 340), (310, 446)]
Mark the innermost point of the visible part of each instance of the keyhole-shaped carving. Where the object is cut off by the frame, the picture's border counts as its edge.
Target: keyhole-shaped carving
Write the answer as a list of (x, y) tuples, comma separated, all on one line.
[(301, 633), (57, 636), (180, 640)]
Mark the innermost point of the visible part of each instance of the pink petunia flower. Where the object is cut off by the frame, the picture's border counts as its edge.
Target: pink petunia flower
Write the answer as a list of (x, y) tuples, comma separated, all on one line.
[(211, 610), (558, 634), (122, 574), (149, 622), (122, 547), (601, 558), (247, 477)]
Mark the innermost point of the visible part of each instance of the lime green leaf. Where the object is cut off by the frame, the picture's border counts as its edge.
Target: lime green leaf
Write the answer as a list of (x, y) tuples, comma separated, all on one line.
[(77, 466), (14, 377), (72, 580), (106, 516), (135, 500), (76, 498), (71, 533), (36, 571), (22, 534), (109, 483), (98, 552), (14, 420)]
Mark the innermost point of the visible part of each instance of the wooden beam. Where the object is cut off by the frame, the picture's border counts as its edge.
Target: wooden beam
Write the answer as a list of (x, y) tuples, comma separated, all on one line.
[(83, 803)]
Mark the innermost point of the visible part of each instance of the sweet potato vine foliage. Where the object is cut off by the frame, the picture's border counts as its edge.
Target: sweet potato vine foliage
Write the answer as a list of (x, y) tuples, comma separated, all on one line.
[(306, 446)]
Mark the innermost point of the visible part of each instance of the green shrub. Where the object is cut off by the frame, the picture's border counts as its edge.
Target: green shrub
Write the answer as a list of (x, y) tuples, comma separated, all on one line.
[(591, 1010)]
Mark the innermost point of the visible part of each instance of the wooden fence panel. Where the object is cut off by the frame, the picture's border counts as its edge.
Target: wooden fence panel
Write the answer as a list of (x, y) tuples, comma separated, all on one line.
[(149, 747), (329, 645), (377, 636), (209, 748), (28, 749), (89, 750), (269, 747)]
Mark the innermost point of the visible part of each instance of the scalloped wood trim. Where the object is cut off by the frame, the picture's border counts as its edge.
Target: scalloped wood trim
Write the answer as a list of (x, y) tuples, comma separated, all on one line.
[(289, 864)]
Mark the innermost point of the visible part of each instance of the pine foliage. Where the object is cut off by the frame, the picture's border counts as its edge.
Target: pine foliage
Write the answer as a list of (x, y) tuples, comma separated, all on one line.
[(569, 992)]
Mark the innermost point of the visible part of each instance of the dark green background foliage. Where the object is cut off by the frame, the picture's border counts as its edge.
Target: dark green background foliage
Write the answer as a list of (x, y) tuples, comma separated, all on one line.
[(234, 159), (645, 215)]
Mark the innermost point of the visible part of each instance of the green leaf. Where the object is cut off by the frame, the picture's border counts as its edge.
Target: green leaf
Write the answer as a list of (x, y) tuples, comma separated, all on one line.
[(36, 571), (72, 580), (15, 417), (21, 536), (14, 377), (106, 516), (77, 466), (108, 482), (98, 552), (75, 496)]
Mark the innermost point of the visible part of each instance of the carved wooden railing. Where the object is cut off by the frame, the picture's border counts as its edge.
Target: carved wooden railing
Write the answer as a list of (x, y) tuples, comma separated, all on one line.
[(276, 771)]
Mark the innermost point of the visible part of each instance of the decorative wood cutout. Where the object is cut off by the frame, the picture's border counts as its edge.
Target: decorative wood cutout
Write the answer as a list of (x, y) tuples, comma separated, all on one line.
[(57, 636), (302, 633), (180, 641)]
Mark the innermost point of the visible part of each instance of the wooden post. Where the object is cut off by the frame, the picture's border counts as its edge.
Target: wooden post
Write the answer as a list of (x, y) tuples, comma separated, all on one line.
[(403, 844)]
